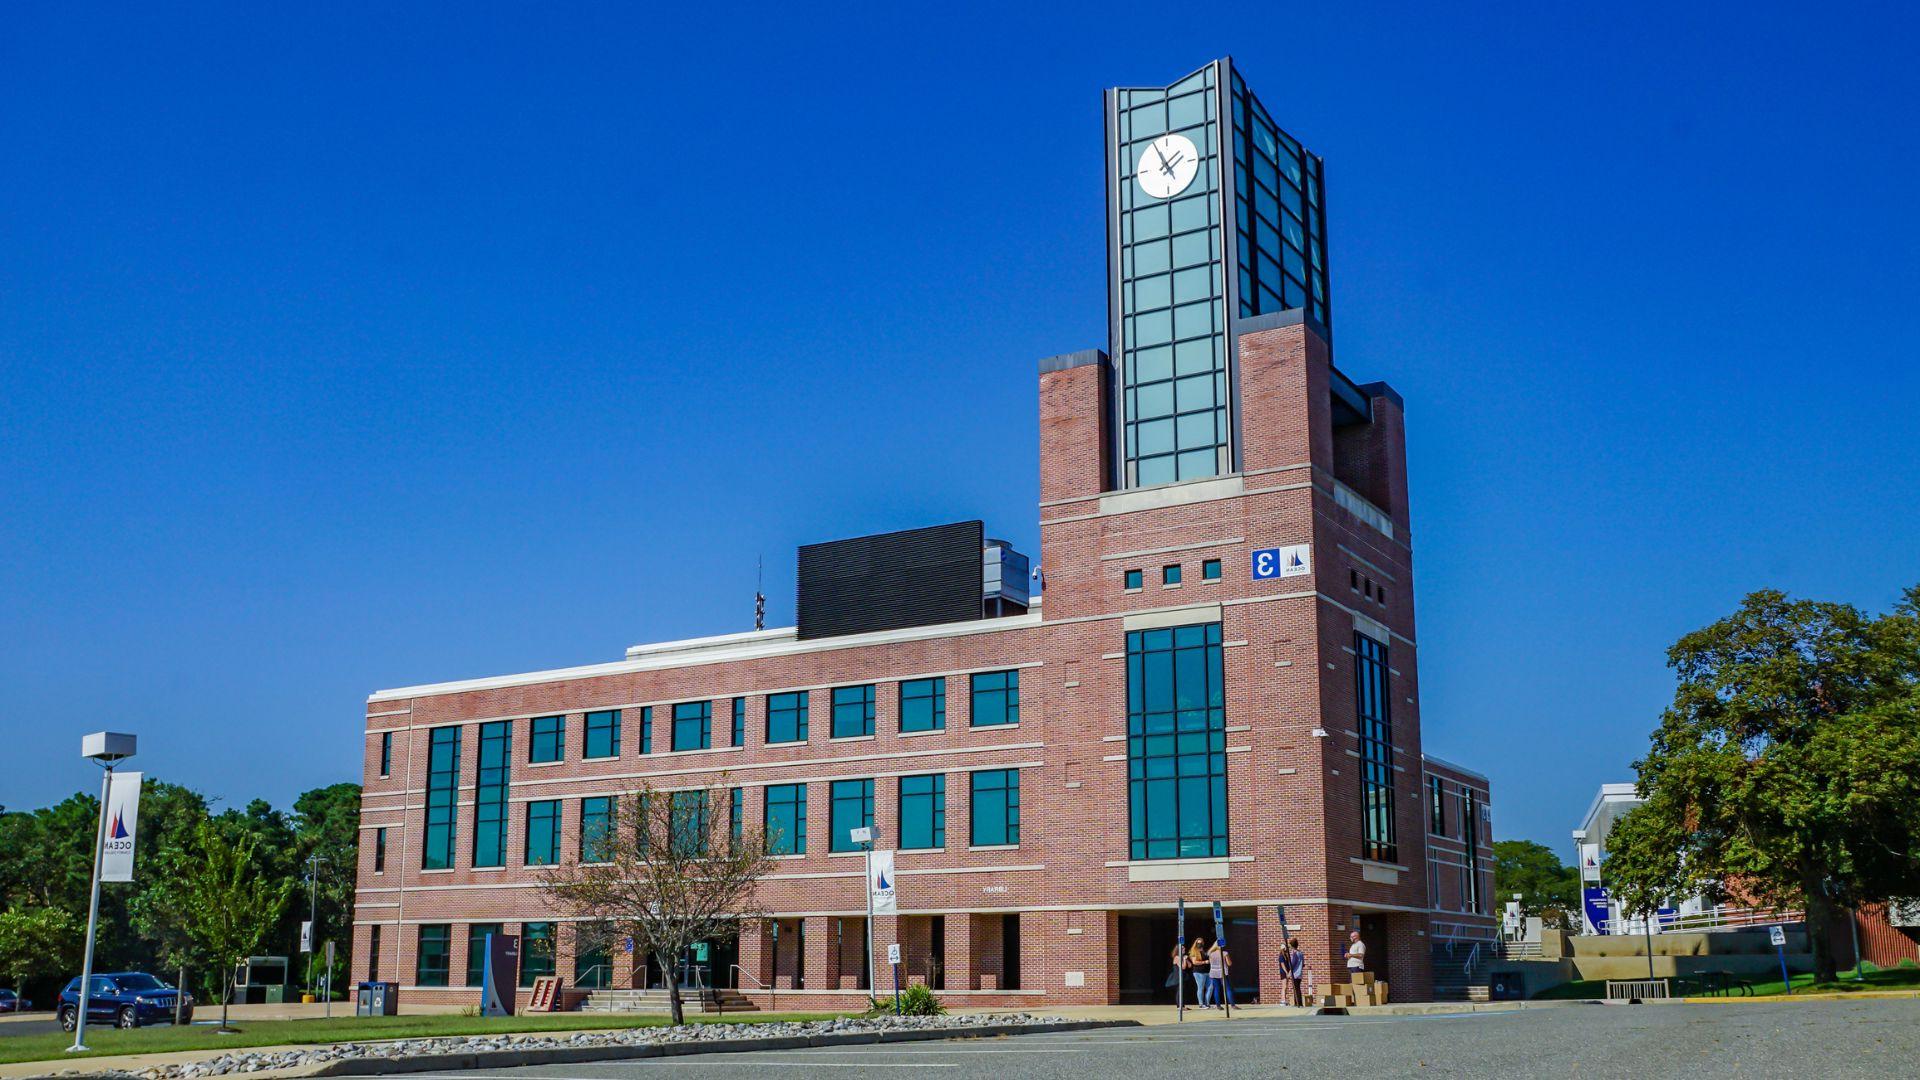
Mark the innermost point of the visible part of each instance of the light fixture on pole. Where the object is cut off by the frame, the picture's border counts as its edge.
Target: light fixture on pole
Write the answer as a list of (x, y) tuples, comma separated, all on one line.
[(105, 747), (310, 941), (863, 836)]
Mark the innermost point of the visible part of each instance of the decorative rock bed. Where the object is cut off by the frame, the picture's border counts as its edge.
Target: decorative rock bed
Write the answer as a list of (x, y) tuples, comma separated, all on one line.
[(242, 1061)]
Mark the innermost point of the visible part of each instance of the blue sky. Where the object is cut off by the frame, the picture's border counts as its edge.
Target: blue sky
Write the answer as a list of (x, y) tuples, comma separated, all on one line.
[(345, 351)]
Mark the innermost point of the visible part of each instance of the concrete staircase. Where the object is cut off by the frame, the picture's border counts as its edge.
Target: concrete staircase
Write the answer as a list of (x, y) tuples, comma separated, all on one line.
[(1455, 980), (655, 1003)]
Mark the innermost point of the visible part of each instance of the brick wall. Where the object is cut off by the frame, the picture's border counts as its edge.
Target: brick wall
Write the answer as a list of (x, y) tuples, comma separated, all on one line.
[(1294, 802)]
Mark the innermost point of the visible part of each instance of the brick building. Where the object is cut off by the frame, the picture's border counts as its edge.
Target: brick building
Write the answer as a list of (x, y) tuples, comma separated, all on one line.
[(1215, 697)]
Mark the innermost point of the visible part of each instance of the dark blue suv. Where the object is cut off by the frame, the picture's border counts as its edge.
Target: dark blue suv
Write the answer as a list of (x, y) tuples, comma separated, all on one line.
[(127, 999)]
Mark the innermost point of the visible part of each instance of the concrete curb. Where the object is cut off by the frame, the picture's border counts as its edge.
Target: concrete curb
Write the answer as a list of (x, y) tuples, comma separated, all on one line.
[(566, 1055)]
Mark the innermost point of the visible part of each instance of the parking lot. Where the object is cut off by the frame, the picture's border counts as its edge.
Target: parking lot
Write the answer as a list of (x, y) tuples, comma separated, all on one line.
[(1812, 1039)]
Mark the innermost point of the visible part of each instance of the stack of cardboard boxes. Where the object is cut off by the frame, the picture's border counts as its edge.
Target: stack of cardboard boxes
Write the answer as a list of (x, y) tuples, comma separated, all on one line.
[(1363, 990)]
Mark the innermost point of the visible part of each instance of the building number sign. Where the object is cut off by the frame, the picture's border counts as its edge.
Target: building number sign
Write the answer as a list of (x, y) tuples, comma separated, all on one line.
[(1282, 562)]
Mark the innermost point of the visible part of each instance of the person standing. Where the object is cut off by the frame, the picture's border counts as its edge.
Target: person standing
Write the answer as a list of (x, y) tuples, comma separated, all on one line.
[(1356, 955), (1218, 964), (1293, 963), (1180, 966), (1197, 963)]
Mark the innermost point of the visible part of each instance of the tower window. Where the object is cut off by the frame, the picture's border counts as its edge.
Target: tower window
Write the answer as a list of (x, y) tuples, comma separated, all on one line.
[(1210, 570), (1134, 579), (1170, 575)]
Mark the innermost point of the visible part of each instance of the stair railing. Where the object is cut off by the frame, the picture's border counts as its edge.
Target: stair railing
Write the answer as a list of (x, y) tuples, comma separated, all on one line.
[(773, 994)]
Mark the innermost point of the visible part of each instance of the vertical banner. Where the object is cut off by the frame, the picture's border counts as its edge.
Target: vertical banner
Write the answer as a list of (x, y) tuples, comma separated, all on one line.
[(880, 882), (306, 936), (123, 824)]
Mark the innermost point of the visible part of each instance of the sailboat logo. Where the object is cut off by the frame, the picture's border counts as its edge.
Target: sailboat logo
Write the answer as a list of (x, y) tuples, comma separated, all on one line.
[(882, 883), (117, 830), (1294, 561)]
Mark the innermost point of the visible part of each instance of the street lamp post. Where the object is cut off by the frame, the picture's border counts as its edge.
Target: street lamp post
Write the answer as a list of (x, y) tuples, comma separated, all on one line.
[(105, 747), (313, 912)]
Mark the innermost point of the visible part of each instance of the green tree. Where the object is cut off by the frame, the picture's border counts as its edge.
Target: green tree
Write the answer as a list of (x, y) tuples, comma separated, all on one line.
[(234, 904), (326, 822), (1787, 769), (38, 943), (1547, 886)]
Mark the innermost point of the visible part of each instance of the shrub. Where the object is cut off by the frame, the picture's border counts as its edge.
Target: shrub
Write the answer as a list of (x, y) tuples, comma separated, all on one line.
[(915, 1000)]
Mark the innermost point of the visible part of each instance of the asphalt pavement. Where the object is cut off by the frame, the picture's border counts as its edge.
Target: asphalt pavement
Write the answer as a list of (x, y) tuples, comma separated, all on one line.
[(1812, 1039), (29, 1024)]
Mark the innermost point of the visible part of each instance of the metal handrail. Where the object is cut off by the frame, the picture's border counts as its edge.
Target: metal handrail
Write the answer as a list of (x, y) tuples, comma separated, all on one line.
[(578, 979), (773, 993)]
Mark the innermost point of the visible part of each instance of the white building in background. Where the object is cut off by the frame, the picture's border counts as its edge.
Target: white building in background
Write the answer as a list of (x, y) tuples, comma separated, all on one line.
[(1598, 913)]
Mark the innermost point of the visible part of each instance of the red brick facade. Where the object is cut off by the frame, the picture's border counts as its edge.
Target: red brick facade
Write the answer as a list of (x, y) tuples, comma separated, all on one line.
[(1088, 924)]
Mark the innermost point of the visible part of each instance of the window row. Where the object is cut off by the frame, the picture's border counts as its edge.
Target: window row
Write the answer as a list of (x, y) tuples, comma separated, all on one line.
[(994, 819), (1363, 584), (1171, 574), (433, 956), (993, 812), (995, 699)]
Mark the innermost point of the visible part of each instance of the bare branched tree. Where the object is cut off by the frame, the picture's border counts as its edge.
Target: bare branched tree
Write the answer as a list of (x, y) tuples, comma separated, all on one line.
[(667, 870)]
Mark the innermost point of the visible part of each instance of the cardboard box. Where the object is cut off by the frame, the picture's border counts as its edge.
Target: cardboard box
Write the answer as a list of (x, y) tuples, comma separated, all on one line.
[(1360, 978)]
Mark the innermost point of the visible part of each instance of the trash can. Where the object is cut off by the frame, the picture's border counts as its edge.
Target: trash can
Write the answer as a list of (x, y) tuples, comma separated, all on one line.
[(377, 999), (1507, 986)]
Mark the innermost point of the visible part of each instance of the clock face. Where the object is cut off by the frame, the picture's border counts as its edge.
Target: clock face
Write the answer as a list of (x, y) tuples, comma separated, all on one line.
[(1167, 166)]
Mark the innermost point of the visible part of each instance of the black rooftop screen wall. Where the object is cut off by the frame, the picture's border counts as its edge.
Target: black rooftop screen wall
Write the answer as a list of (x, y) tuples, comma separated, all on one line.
[(917, 577)]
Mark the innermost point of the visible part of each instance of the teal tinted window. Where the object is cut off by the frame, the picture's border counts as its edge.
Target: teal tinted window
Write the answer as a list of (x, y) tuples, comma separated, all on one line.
[(596, 829), (738, 736), (490, 795), (1171, 297), (1210, 570), (434, 955), (693, 725), (536, 951), (603, 734), (380, 850), (851, 808), (996, 807), (787, 717), (443, 782), (477, 950), (1176, 743), (1377, 839), (785, 819), (548, 740), (852, 711), (1134, 579), (646, 730), (737, 815), (386, 753), (996, 698), (543, 833), (923, 811), (592, 965), (1170, 575), (687, 823), (923, 705), (1280, 226)]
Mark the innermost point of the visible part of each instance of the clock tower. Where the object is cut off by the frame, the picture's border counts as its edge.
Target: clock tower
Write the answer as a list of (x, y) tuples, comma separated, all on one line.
[(1213, 214)]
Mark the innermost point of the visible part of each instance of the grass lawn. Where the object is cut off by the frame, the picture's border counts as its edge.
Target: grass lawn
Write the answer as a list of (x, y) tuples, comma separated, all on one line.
[(166, 1038), (1878, 978)]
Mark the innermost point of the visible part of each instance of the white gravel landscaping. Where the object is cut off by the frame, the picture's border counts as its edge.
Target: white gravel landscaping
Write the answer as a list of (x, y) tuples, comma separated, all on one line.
[(243, 1061)]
